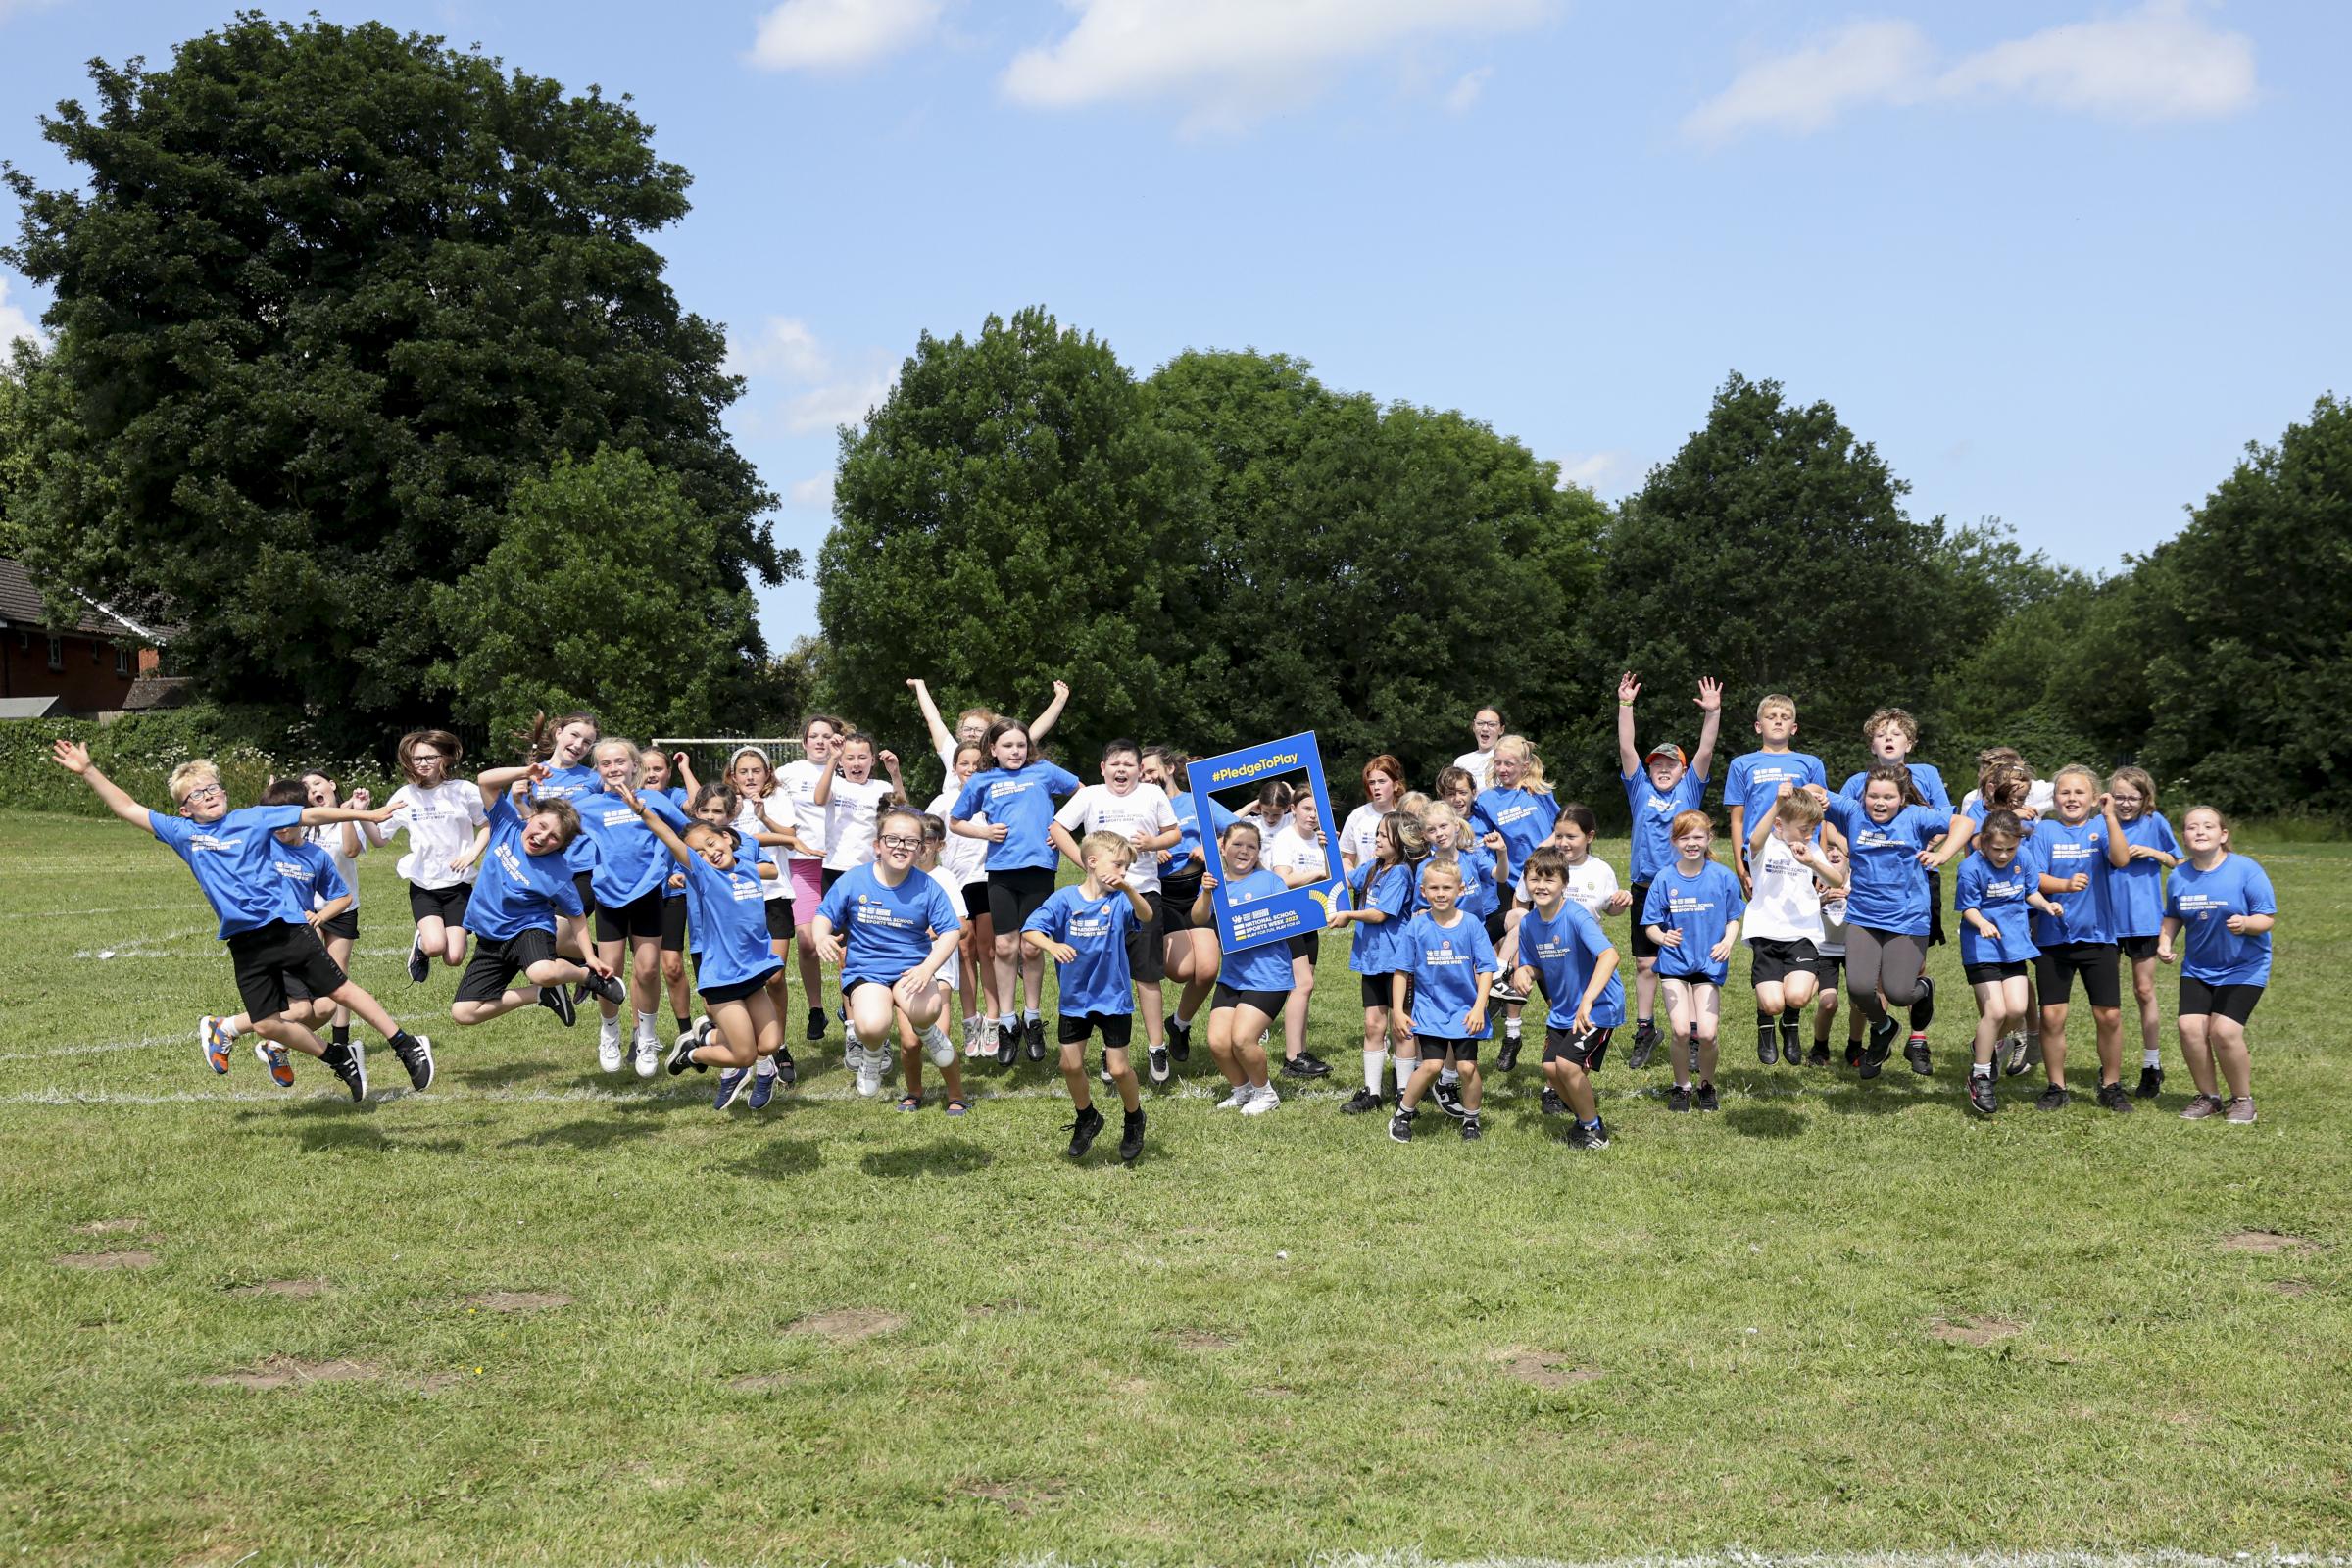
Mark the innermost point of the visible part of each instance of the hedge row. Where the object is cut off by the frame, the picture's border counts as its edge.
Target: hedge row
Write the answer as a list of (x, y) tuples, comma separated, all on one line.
[(138, 751)]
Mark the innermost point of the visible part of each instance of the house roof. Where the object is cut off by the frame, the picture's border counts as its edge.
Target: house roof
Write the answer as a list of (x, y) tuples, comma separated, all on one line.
[(21, 606), (29, 707)]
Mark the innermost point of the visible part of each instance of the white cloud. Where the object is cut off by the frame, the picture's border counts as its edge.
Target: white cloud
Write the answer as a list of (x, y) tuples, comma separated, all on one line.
[(786, 353), (816, 493), (1593, 469), (15, 324), (836, 402), (2159, 62), (784, 346), (1463, 93), (833, 34), (11, 9), (1232, 62)]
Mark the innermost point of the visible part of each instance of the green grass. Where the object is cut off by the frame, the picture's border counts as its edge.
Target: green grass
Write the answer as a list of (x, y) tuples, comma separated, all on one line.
[(1272, 1339)]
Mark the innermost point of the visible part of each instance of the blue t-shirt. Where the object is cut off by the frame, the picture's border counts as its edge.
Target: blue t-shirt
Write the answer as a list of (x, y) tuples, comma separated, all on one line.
[(887, 931), (1373, 947), (1266, 966), (1564, 952), (1999, 897), (2203, 901), (1524, 819), (628, 860), (235, 862), (727, 912), (1930, 782), (1702, 909), (1023, 802), (1187, 830), (1889, 887), (2135, 893), (569, 784), (518, 892), (2063, 852), (1654, 812), (1754, 782), (1481, 894), (1445, 962), (1098, 980), (312, 870)]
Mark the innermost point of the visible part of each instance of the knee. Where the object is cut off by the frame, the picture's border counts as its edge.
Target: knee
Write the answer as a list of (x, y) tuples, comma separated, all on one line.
[(673, 966), (1771, 997), (2144, 990)]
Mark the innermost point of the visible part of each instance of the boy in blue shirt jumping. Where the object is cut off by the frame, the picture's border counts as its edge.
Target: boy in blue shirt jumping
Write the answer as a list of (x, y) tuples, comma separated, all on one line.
[(1438, 994), (1085, 929), (1659, 786)]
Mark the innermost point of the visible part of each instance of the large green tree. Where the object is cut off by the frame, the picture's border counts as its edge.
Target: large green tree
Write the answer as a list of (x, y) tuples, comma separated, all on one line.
[(329, 295), (1008, 516)]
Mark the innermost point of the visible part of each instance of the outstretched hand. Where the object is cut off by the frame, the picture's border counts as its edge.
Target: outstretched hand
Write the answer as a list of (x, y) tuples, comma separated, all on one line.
[(71, 756), (1710, 695), (1629, 687)]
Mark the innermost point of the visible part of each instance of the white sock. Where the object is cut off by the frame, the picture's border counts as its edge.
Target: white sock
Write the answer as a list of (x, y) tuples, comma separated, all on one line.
[(1510, 1028), (765, 1067), (1182, 1022), (1449, 1075), (2151, 1059), (1030, 1016), (1375, 1063), (1012, 1020), (1407, 1066)]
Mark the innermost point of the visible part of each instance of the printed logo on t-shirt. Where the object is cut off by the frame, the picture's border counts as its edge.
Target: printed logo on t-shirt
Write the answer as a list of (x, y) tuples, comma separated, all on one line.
[(1689, 904), (2200, 905)]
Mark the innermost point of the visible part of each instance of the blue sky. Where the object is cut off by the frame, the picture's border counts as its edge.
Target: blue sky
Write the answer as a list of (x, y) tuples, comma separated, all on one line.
[(2059, 262)]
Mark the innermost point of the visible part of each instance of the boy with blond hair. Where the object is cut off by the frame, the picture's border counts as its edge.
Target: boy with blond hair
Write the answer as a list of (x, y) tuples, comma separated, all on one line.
[(1751, 785), (1085, 930)]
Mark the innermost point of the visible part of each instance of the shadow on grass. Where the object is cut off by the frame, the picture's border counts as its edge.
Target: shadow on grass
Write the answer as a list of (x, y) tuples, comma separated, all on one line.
[(780, 1159), (1764, 1121), (950, 1157), (601, 1131), (505, 1075)]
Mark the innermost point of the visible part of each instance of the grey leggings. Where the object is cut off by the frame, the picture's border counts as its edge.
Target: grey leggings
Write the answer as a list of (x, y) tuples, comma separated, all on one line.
[(1883, 960)]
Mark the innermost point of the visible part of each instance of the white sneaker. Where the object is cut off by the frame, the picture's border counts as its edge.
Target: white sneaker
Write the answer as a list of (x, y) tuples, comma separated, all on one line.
[(1238, 1098), (607, 1044), (648, 1056), (869, 1067), (939, 1047), (1261, 1101)]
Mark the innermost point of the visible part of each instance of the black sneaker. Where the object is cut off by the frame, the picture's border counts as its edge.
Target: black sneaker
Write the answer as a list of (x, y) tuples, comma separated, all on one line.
[(1180, 1040), (1705, 1099), (786, 1068), (1472, 1132), (418, 1057), (1009, 1044), (1130, 1138), (1304, 1066), (420, 967), (1880, 1047), (2113, 1098), (1793, 1045), (2151, 1083), (2053, 1098), (1082, 1132), (1034, 1032), (816, 1023), (1508, 1057), (1767, 1051), (1979, 1094), (1554, 1104), (1678, 1099), (557, 1001), (349, 1063), (1400, 1126), (1819, 1055), (1365, 1101), (1645, 1045), (606, 988), (1581, 1136), (1915, 1051), (681, 1052), (1853, 1052), (1449, 1098), (1923, 1012)]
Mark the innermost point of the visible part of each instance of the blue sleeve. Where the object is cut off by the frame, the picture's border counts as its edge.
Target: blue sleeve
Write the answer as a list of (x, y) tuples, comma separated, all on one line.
[(566, 899), (2164, 840), (272, 817), (1735, 905), (1842, 809), (2172, 898), (1219, 818), (1734, 781), (1482, 951), (1815, 772), (1479, 816), (1588, 930), (668, 809), (2260, 900), (173, 831), (1047, 918), (1968, 888), (967, 799), (835, 903), (1064, 782), (326, 880), (502, 813), (1658, 906), (1851, 789), (1395, 894)]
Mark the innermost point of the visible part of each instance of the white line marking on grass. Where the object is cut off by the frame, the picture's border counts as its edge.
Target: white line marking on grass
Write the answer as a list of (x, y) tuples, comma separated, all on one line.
[(112, 908), (102, 1048), (525, 1096)]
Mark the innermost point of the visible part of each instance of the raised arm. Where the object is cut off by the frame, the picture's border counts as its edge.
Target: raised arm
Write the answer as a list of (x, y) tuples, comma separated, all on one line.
[(684, 769), (1629, 756), (1710, 703), (321, 815), (494, 782), (941, 737), (1761, 829), (75, 758), (659, 826), (1043, 724), (2119, 851)]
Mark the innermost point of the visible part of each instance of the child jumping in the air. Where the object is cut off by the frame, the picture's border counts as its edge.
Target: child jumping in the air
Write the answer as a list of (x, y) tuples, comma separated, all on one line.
[(1010, 806), (1691, 913), (1992, 895), (891, 929), (1751, 785), (1087, 931), (1786, 869), (1889, 835), (233, 856), (446, 833), (1132, 807), (1893, 735), (524, 912), (324, 889), (1441, 995), (1660, 784), (1564, 952)]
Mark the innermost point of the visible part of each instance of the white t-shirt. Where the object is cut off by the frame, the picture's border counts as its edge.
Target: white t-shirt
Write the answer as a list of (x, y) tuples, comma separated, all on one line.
[(1592, 885), (796, 781), (1359, 835), (963, 860), (329, 836), (952, 972), (440, 823), (748, 821), (2042, 795), (1144, 809), (852, 816), (1293, 851), (1832, 928), (1785, 906), (1480, 765)]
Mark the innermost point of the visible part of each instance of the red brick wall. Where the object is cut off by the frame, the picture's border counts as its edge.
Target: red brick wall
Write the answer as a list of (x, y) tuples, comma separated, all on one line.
[(88, 684)]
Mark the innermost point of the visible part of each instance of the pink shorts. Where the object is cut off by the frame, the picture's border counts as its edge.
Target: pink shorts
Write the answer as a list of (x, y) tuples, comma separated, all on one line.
[(807, 889)]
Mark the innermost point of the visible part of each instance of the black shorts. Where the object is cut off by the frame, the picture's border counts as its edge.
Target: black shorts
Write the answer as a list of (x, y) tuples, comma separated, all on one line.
[(1147, 953), (345, 925), (674, 923), (715, 994), (1435, 1048), (1772, 958), (1583, 1046), (1986, 974), (1309, 947), (1072, 1028), (1176, 895), (1379, 992), (586, 885), (826, 876), (1644, 945), (975, 899), (1829, 966), (1268, 1002), (1016, 894), (445, 904), (780, 919), (2136, 949), (1496, 925), (2055, 970), (267, 959), (1935, 907), (641, 916), (496, 963), (2234, 1003)]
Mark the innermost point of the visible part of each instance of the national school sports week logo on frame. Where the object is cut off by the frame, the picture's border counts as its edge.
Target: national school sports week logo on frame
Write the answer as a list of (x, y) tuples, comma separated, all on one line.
[(1232, 779)]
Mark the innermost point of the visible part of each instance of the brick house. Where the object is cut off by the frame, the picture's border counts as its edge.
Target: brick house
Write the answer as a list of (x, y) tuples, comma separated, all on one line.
[(89, 667)]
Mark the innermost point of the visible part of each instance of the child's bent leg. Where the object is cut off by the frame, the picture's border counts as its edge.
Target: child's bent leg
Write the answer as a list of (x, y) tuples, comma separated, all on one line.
[(1122, 1077), (734, 1038), (1247, 1055), (645, 975), (1073, 1072), (284, 1030), (610, 955), (1574, 1085), (1992, 1012), (2196, 1050), (1221, 1045), (2151, 1017)]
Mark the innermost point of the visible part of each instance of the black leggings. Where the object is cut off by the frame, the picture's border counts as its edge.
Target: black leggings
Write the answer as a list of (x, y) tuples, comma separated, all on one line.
[(1883, 960)]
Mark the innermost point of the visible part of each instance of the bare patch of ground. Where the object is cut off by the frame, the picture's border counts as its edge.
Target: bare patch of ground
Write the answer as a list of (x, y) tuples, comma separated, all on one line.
[(1977, 1331), (518, 1301), (847, 1325), (123, 1260)]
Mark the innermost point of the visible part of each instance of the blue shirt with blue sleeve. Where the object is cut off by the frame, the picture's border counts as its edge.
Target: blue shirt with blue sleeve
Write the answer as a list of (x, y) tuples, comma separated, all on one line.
[(1022, 799), (1266, 966), (886, 931), (1564, 950), (2135, 892), (1888, 886), (1098, 980), (727, 912), (1445, 962), (1654, 811), (1999, 895), (2203, 902), (1754, 782), (234, 860), (1702, 909), (2065, 853), (516, 891)]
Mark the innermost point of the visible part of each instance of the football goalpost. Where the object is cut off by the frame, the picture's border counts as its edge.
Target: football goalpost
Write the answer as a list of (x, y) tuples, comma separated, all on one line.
[(710, 753)]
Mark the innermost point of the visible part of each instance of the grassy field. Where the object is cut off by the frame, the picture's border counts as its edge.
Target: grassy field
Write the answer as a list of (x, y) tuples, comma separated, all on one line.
[(541, 1314)]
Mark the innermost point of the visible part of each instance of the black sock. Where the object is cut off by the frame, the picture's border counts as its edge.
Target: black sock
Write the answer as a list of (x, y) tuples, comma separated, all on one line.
[(341, 1033), (684, 1023), (396, 1038), (1764, 1022)]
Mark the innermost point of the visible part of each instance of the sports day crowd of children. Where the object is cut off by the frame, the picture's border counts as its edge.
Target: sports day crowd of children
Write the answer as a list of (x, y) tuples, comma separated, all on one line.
[(601, 871)]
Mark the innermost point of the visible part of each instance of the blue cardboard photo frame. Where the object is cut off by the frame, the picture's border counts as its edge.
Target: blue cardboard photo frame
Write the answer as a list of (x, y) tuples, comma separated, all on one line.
[(1301, 911)]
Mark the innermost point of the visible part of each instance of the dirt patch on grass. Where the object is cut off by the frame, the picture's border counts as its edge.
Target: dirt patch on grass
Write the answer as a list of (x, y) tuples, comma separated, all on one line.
[(1011, 1306), (300, 1289), (761, 1383), (1203, 1340), (849, 1324), (2291, 1287), (518, 1301), (123, 1260), (1273, 1391), (435, 1382), (1544, 1369), (287, 1372), (1022, 1497), (108, 1227), (1977, 1331), (2266, 1243)]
